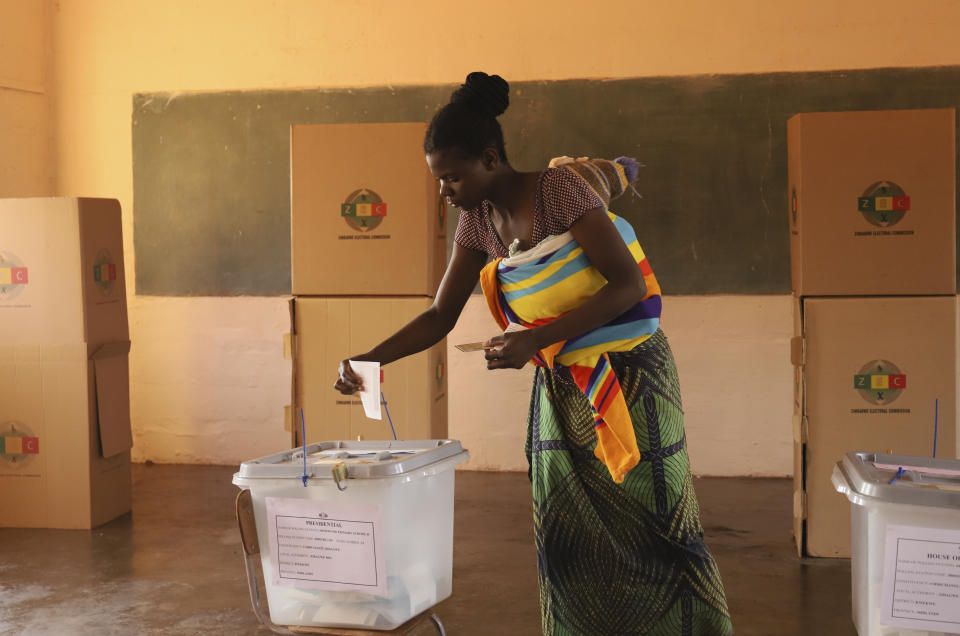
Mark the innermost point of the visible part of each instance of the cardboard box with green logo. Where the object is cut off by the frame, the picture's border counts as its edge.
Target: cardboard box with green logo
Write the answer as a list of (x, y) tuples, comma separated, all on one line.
[(64, 392), (874, 374), (872, 202), (366, 214), (327, 330)]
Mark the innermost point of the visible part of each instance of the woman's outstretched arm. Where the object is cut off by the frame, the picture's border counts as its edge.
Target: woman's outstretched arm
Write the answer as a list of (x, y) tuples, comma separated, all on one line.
[(463, 272)]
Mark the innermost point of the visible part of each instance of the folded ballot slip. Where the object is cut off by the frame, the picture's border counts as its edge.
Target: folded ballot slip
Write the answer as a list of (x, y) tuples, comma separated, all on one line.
[(472, 346), (478, 346), (369, 372)]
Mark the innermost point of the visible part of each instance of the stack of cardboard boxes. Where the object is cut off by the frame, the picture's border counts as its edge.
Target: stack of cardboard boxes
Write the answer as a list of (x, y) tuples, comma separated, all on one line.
[(64, 390), (874, 281), (368, 252)]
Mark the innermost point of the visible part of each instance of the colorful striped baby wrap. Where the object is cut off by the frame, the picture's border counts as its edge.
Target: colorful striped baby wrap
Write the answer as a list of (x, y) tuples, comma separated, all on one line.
[(537, 286)]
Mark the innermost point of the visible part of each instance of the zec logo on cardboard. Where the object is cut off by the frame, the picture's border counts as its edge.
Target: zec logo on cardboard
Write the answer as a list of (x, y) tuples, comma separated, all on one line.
[(14, 276), (363, 210), (18, 446), (104, 272), (883, 204), (879, 382)]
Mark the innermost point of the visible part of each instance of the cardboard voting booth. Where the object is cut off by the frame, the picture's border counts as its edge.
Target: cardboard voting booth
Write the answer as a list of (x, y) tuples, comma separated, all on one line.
[(64, 342)]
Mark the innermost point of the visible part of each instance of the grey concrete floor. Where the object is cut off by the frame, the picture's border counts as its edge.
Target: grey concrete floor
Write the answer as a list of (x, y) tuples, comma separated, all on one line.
[(175, 565)]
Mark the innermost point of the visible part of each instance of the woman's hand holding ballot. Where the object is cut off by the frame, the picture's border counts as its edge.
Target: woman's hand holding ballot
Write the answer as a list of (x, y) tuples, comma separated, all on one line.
[(511, 350), (349, 382)]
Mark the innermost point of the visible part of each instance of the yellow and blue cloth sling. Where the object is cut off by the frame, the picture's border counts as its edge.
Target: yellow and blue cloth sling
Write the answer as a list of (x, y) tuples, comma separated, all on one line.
[(555, 277)]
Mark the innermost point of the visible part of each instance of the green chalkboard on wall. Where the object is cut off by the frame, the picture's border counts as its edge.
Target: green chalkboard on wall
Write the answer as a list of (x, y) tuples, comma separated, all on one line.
[(212, 190)]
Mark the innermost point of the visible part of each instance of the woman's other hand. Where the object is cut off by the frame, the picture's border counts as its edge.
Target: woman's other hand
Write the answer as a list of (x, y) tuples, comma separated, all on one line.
[(511, 350), (349, 382)]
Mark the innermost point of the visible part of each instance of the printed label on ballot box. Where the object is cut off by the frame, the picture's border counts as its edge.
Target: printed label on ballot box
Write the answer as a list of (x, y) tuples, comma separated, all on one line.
[(921, 579), (326, 545)]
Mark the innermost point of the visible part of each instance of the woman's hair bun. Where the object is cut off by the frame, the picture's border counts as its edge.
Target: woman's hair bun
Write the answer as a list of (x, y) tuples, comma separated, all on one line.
[(488, 94)]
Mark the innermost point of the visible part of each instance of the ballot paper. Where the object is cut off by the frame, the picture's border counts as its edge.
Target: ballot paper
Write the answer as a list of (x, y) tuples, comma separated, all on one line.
[(472, 346), (479, 346), (369, 372)]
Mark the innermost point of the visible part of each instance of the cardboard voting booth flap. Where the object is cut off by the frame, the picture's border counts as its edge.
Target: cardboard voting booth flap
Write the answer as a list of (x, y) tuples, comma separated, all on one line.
[(876, 374), (362, 194), (62, 276), (872, 202), (111, 370), (326, 331)]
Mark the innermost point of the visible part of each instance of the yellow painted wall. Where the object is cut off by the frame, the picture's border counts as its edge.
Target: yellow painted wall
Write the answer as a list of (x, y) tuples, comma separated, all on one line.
[(208, 380), (26, 166)]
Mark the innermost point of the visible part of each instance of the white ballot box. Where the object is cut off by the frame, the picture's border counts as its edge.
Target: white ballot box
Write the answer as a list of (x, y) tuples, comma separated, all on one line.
[(358, 534), (905, 543)]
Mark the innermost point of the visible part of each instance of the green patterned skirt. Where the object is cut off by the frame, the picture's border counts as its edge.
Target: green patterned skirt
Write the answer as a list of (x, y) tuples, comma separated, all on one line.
[(619, 559)]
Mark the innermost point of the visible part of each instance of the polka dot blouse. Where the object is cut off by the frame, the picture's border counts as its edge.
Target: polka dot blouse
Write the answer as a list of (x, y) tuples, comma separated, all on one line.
[(561, 198)]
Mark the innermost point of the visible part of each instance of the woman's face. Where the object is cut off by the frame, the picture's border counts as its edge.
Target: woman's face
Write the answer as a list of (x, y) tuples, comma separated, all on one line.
[(464, 181)]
